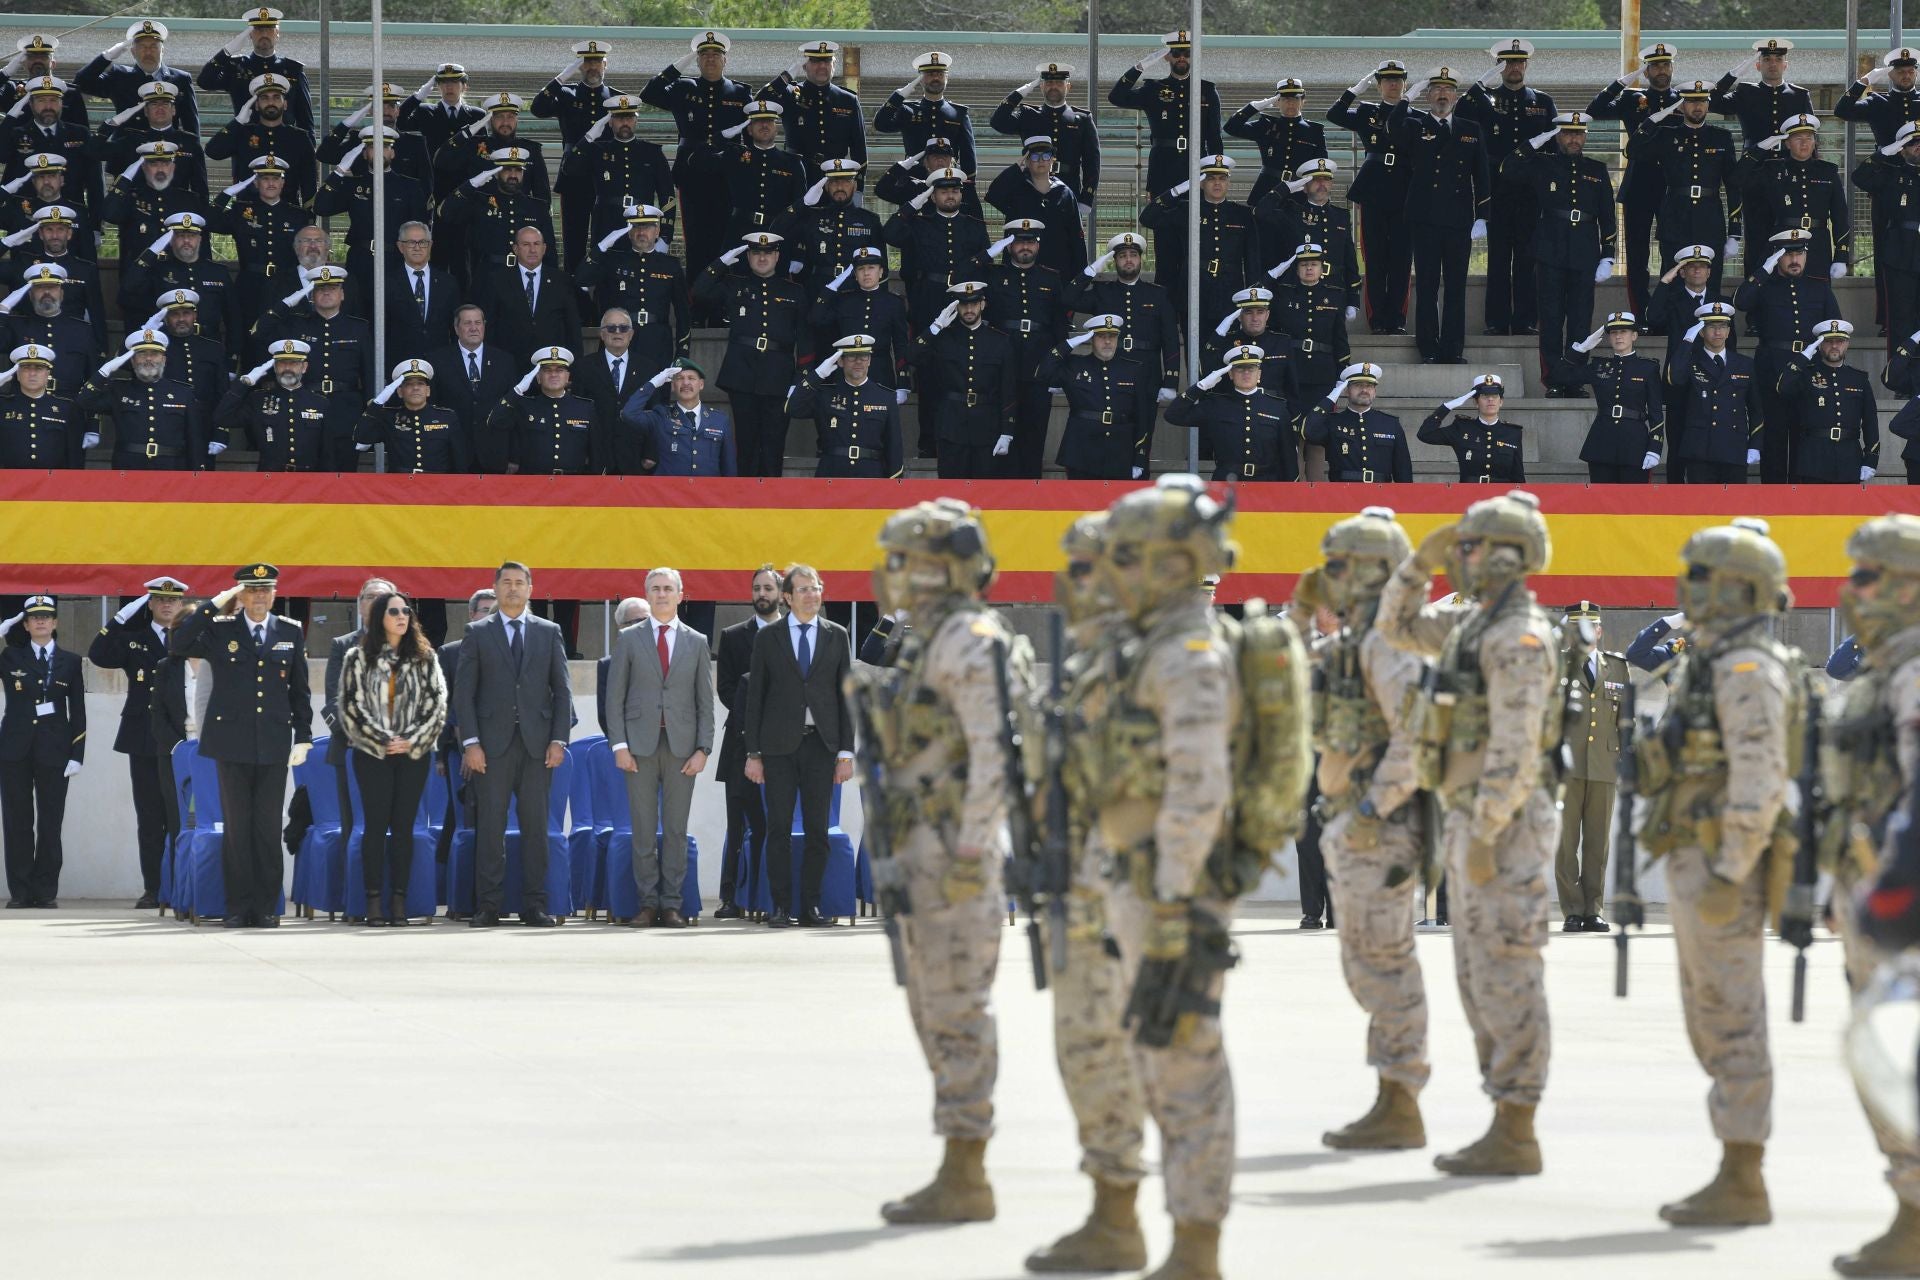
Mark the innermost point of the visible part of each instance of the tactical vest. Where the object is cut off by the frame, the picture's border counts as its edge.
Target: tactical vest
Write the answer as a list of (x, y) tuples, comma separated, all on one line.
[(1086, 680), (1860, 779), (913, 719), (1450, 716), (1349, 728)]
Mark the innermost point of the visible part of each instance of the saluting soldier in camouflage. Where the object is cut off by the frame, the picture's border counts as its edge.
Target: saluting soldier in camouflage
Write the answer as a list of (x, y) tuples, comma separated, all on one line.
[(1373, 835), (1870, 755), (1715, 771), (1483, 731), (940, 728), (1203, 775), (1090, 994)]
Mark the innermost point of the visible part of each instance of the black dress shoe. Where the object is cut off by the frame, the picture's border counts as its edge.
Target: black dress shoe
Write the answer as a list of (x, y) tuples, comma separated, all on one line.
[(1493, 331), (1596, 925), (812, 919), (1525, 331), (779, 920), (1311, 923), (1574, 924), (148, 902), (484, 920), (226, 922), (266, 922), (538, 920), (728, 911)]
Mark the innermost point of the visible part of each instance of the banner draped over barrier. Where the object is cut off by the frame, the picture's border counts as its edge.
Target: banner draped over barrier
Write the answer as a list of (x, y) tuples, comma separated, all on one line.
[(593, 537)]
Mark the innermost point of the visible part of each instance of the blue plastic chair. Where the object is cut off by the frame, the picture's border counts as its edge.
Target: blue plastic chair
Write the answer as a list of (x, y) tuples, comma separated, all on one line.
[(208, 888), (174, 884), (583, 850), (320, 871), (616, 891), (836, 887), (421, 897), (460, 858)]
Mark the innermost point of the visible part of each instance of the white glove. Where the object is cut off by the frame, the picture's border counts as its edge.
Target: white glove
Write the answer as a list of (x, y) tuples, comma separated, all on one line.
[(19, 238), (214, 447), (358, 115), (128, 610), (1031, 86), (1180, 188), (599, 128), (795, 268), (1264, 105), (1361, 85), (113, 366), (156, 320), (1603, 271), (239, 43), (735, 131), (298, 756), (612, 238), (1417, 88), (128, 172), (525, 384), (796, 70), (1212, 380), (814, 193), (1753, 457), (572, 73), (345, 167), (15, 65), (1914, 337), (13, 188), (358, 448), (1075, 343), (1731, 247), (1540, 140), (478, 127), (1479, 231), (909, 86), (427, 88), (113, 51), (1632, 78), (1278, 269), (920, 201), (1153, 59), (1339, 389), (687, 63), (7, 376), (833, 285), (732, 255), (1000, 448), (245, 114), (899, 395), (1664, 112), (1591, 341), (663, 377), (482, 178), (1744, 65), (386, 392), (1098, 265), (252, 376), (73, 767), (1085, 210), (998, 246), (1866, 474), (238, 187), (1297, 186), (1353, 313), (293, 298), (1694, 333), (1491, 76), (14, 621), (1675, 621), (1773, 260), (945, 318), (1220, 330), (12, 300), (160, 243), (1460, 402), (1812, 349), (1649, 462), (907, 162), (1771, 143), (825, 368), (1835, 270), (1139, 472)]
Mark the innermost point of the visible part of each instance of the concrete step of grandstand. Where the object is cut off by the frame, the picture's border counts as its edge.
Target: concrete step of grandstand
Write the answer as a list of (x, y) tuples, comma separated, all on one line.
[(1433, 384)]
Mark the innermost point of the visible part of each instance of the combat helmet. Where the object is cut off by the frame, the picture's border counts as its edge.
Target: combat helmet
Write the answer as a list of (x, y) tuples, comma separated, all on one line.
[(1887, 551), (933, 550), (1077, 588), (1368, 548), (1175, 532), (1518, 543), (1732, 571)]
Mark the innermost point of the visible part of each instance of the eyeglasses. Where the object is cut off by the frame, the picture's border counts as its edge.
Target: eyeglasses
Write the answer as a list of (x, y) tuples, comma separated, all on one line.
[(616, 328), (399, 611), (414, 244)]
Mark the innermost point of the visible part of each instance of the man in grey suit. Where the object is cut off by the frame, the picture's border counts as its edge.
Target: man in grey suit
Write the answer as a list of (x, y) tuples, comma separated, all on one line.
[(514, 705), (660, 718)]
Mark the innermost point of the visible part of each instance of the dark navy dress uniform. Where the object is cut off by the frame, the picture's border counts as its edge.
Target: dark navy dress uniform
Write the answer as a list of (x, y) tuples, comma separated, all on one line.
[(1724, 416), (437, 124), (120, 84), (652, 287), (1809, 195), (859, 427), (1029, 305), (1152, 333), (821, 122), (411, 156), (763, 186), (1448, 189), (703, 110), (879, 312), (1629, 415), (923, 118), (1165, 102), (151, 276), (578, 107), (340, 367), (1640, 186), (1895, 188), (1380, 189), (547, 435), (1285, 142), (22, 139), (234, 73), (258, 710), (200, 363), (1063, 246), (287, 428), (822, 238), (157, 426), (263, 244), (933, 247), (1573, 229), (44, 727), (1760, 108), (1781, 312), (486, 220), (1488, 453), (969, 383), (606, 175), (71, 339), (406, 201), (38, 433), (293, 145), (1287, 221), (903, 181), (138, 649), (1229, 249), (1076, 142), (1251, 432), (766, 319), (1315, 318), (1833, 421), (1111, 407), (118, 145), (1510, 117), (1279, 368), (1700, 187), (140, 212), (428, 441), (1364, 448)]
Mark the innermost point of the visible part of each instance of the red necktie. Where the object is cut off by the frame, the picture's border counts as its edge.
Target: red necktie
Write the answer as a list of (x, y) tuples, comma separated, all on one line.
[(660, 637)]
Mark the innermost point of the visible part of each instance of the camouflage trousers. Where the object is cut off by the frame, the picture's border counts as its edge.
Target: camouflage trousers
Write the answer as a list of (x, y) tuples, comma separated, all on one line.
[(1188, 1087), (952, 953), (1863, 957), (1376, 943), (1499, 933), (1724, 995), (1093, 1050)]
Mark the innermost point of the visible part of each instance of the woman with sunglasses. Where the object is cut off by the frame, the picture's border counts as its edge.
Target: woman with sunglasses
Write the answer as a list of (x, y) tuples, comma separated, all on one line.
[(1029, 189), (393, 704)]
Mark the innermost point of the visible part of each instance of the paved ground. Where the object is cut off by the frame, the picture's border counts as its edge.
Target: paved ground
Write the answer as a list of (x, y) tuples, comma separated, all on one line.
[(729, 1102)]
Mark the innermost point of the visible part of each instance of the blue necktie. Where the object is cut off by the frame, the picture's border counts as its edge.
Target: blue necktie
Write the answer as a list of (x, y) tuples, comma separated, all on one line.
[(806, 651), (513, 642)]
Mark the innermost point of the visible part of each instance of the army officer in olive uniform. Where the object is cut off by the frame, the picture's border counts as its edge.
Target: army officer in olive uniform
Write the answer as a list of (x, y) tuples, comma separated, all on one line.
[(1586, 810)]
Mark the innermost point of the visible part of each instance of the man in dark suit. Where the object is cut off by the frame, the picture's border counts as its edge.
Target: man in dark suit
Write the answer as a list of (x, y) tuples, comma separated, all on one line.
[(43, 739), (515, 709), (259, 724), (529, 304), (799, 738), (746, 810), (136, 642), (421, 298), (479, 605), (608, 378), (370, 590), (471, 376), (627, 613)]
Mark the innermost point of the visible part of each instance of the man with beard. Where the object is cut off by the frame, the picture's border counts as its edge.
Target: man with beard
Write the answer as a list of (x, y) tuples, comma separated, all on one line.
[(471, 152), (349, 190), (38, 129), (932, 113), (824, 121), (341, 349), (121, 82), (47, 323), (285, 421), (1509, 115), (175, 261), (936, 237), (145, 195), (1363, 445), (1027, 302), (764, 182), (967, 372), (607, 172), (1229, 242), (49, 239), (155, 118), (1151, 334), (42, 183), (579, 98), (1693, 161), (156, 424), (488, 219), (1303, 212), (39, 431), (262, 127), (264, 224), (410, 153), (746, 808), (253, 53), (1783, 302), (708, 109), (766, 322), (1076, 142), (1630, 100), (822, 233), (193, 359), (34, 59), (1167, 109)]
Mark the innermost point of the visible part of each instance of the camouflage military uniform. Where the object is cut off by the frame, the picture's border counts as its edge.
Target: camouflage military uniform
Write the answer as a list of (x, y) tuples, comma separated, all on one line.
[(1502, 822)]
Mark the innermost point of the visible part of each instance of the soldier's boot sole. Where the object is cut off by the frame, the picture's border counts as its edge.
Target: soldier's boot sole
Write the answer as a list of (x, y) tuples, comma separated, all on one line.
[(959, 1192), (1509, 1149), (1195, 1255), (1109, 1240), (1737, 1196), (1394, 1124), (1897, 1253)]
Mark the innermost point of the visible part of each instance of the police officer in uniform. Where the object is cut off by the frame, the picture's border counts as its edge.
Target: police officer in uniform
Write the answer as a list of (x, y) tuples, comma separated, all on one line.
[(1111, 403), (1487, 445), (1027, 302), (932, 113), (1362, 444), (253, 53), (947, 819), (1696, 164), (824, 229), (1764, 107), (857, 419), (1286, 138), (180, 258), (39, 431), (1892, 178), (1723, 419), (263, 127), (968, 375), (579, 98), (1499, 657), (1631, 99), (1076, 142), (706, 109), (1628, 434), (259, 724), (1303, 212), (1448, 191), (340, 362), (489, 209), (262, 220), (1587, 791), (627, 271), (1789, 186), (766, 319), (937, 240), (1165, 100), (549, 430), (1229, 241), (43, 740), (764, 181), (157, 424), (1783, 302), (1737, 696), (285, 421), (1251, 429), (420, 437), (1833, 421), (1572, 246), (1380, 189), (349, 190), (823, 121), (135, 641), (858, 301), (609, 170), (1511, 115)]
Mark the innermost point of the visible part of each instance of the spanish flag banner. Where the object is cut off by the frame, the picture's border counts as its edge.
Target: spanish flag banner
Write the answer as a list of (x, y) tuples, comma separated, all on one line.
[(594, 537)]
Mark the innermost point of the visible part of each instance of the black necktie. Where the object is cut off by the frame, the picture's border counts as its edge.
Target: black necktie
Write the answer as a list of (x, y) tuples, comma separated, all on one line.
[(619, 371), (806, 653), (473, 368), (513, 642), (530, 291), (420, 294), (260, 637)]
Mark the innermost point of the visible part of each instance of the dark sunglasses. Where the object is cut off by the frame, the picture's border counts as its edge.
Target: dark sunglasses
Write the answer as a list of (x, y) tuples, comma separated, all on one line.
[(1863, 577), (399, 611), (1335, 569), (616, 328)]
